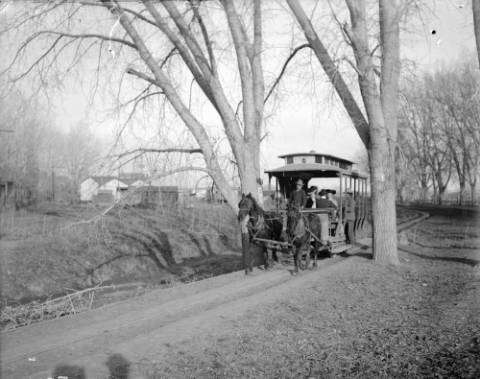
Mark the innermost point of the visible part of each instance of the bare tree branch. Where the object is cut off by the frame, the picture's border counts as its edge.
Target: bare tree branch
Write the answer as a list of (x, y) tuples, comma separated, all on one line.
[(206, 38), (127, 10), (351, 106), (284, 68), (141, 75), (166, 150), (34, 36), (188, 36)]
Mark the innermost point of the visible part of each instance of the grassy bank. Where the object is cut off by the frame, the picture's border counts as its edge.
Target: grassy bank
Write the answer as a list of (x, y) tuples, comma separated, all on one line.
[(54, 248), (360, 319)]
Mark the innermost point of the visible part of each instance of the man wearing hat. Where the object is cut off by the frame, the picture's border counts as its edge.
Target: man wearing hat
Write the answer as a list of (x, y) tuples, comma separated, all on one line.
[(312, 197), (322, 200), (334, 202), (298, 197), (330, 197), (349, 216)]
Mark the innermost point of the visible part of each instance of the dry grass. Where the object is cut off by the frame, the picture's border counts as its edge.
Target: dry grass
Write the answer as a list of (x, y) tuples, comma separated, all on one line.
[(12, 317), (418, 320), (47, 250), (50, 249), (364, 321)]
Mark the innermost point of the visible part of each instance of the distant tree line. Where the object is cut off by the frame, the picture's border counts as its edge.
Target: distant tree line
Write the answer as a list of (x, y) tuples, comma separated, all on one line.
[(39, 160), (439, 134)]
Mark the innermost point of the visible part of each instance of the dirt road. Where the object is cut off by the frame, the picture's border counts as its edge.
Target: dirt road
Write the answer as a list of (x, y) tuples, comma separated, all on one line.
[(344, 295), (143, 327)]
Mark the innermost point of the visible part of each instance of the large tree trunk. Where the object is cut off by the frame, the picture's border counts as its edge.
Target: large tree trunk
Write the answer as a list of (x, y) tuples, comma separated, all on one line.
[(476, 24), (441, 192), (380, 132), (246, 147), (461, 194), (435, 191), (423, 190), (473, 191), (328, 65), (381, 108), (251, 75)]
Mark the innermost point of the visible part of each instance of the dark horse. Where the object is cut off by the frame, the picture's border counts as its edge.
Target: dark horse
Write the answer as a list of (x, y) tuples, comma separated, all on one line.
[(301, 228), (255, 222)]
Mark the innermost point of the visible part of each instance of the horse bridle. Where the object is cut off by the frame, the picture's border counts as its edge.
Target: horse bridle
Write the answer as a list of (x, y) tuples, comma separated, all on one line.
[(254, 228)]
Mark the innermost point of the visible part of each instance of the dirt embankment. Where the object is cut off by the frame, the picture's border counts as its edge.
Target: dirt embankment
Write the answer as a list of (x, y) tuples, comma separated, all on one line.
[(348, 318), (54, 249)]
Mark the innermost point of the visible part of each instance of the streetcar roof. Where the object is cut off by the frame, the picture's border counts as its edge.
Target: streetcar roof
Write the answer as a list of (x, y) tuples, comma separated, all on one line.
[(316, 153), (314, 170)]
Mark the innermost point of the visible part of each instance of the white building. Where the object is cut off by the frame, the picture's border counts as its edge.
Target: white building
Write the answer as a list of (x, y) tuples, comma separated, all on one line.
[(104, 188)]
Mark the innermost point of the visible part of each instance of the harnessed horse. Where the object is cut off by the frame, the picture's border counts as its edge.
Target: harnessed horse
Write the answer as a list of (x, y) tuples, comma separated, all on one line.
[(300, 230), (253, 224)]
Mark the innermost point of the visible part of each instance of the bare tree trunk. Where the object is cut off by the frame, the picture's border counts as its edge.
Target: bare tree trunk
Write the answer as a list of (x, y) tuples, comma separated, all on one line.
[(245, 148), (473, 190), (381, 149), (441, 192), (476, 24), (380, 132), (461, 194), (424, 191), (328, 65), (251, 74)]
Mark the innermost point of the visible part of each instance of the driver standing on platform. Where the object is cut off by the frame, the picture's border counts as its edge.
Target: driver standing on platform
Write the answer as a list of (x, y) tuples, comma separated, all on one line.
[(298, 197), (349, 216)]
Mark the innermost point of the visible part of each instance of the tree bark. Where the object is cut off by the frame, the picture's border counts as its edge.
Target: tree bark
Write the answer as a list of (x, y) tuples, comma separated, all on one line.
[(473, 191), (335, 77), (380, 106), (381, 154), (190, 121), (476, 24)]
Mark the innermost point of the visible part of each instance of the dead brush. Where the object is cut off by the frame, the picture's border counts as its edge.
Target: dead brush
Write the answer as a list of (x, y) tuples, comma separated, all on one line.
[(14, 316), (128, 243)]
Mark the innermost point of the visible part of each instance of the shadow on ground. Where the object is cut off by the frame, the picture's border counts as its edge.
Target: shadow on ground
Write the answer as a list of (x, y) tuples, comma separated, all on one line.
[(454, 362), (118, 367)]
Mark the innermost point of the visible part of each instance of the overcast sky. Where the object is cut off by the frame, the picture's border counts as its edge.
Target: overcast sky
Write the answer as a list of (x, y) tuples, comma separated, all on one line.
[(302, 121)]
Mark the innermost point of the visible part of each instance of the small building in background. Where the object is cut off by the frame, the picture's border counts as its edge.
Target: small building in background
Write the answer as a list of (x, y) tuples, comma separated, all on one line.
[(150, 195), (10, 190), (102, 188), (7, 192)]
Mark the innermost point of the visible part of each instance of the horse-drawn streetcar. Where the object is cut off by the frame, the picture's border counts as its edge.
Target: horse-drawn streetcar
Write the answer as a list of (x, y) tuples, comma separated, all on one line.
[(306, 221)]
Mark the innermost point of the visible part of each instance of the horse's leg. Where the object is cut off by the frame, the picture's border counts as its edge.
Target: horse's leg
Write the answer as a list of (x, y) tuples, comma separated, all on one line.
[(246, 252), (271, 261), (250, 261), (295, 258), (307, 256), (315, 253), (267, 254)]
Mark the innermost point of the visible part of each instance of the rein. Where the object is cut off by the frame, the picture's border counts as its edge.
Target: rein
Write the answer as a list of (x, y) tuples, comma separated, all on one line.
[(305, 223)]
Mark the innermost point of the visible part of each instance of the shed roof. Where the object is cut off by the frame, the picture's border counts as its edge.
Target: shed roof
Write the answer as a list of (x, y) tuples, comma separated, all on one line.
[(101, 180)]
